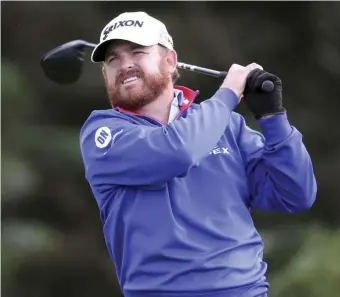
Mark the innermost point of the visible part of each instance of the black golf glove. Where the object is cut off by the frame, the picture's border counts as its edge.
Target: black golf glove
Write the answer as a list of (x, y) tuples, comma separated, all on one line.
[(261, 103)]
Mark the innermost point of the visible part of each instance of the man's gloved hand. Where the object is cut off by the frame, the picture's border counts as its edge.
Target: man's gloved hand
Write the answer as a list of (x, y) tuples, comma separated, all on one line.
[(260, 103)]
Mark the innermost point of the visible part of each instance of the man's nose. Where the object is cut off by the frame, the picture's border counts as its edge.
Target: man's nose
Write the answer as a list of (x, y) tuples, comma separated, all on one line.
[(126, 62)]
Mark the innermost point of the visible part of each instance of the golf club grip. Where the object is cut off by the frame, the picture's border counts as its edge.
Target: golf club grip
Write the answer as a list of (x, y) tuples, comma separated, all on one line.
[(267, 85)]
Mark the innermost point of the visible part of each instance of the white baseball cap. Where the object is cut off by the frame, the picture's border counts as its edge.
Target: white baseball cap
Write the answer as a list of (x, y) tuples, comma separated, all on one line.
[(137, 27)]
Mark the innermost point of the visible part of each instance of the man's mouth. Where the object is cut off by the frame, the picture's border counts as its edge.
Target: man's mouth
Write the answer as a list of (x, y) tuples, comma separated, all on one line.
[(130, 79)]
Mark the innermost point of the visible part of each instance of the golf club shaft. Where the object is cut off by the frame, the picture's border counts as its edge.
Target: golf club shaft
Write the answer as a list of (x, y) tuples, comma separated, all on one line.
[(90, 44), (202, 70), (267, 86)]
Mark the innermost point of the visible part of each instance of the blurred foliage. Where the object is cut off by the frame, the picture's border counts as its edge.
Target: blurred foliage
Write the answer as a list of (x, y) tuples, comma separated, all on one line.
[(52, 243), (312, 271)]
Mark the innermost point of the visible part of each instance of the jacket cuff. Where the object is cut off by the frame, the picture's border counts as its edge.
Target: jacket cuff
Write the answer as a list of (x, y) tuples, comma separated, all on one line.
[(275, 129)]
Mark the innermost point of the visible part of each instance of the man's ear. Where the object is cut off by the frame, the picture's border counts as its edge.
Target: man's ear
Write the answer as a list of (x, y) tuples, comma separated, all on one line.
[(172, 60)]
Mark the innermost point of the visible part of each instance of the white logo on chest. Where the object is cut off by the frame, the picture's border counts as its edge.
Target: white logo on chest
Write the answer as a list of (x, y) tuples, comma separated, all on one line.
[(219, 150)]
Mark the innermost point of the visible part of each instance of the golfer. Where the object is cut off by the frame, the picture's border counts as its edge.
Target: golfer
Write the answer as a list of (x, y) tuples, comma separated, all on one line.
[(175, 181)]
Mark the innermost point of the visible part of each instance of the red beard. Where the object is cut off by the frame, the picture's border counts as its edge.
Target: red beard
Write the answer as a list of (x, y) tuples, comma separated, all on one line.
[(147, 90)]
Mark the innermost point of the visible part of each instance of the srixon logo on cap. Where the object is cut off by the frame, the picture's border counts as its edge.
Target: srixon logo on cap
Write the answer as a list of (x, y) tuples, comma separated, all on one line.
[(128, 23)]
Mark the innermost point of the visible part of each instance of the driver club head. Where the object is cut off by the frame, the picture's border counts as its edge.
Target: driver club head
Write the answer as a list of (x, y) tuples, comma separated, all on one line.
[(64, 64)]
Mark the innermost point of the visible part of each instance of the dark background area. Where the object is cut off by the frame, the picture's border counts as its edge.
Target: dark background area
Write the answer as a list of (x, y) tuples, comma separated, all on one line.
[(52, 242)]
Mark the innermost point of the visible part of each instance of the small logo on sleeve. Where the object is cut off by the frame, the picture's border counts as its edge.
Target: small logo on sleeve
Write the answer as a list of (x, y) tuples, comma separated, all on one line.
[(103, 137)]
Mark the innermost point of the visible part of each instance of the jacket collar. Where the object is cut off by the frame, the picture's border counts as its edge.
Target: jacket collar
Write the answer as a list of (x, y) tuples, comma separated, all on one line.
[(189, 97)]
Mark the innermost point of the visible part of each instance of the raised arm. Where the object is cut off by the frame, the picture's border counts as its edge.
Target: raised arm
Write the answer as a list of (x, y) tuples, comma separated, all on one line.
[(279, 168)]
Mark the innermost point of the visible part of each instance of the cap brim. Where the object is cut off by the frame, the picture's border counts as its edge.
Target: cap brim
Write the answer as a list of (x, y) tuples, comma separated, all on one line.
[(98, 54)]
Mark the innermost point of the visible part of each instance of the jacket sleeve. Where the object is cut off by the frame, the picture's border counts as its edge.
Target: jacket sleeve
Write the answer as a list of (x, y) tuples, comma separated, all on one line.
[(117, 152), (278, 166)]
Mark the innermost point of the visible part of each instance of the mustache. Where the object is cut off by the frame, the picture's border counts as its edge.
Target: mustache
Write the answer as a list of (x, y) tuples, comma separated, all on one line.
[(129, 73)]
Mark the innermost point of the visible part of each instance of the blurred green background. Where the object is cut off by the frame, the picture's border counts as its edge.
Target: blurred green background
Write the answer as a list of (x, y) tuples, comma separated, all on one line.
[(52, 242)]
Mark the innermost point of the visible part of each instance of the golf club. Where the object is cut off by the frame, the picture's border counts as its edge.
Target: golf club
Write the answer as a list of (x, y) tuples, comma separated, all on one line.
[(64, 64)]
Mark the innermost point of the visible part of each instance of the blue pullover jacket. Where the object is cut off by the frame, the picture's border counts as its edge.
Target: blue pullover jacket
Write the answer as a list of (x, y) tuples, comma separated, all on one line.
[(175, 198)]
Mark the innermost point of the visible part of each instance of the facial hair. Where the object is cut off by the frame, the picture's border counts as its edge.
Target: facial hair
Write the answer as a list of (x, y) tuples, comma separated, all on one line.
[(149, 89)]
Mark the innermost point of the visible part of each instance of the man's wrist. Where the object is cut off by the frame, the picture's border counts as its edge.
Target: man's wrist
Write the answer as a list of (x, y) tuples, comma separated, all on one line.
[(228, 96), (269, 115)]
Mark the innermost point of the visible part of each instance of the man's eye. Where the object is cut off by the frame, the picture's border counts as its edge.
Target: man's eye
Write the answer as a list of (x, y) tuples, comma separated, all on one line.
[(139, 52), (111, 59)]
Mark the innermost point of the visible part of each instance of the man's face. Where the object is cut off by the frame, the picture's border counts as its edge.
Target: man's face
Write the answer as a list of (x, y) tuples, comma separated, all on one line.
[(136, 75)]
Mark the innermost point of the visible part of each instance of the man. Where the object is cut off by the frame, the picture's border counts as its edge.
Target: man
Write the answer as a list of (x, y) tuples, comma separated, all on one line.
[(175, 181)]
